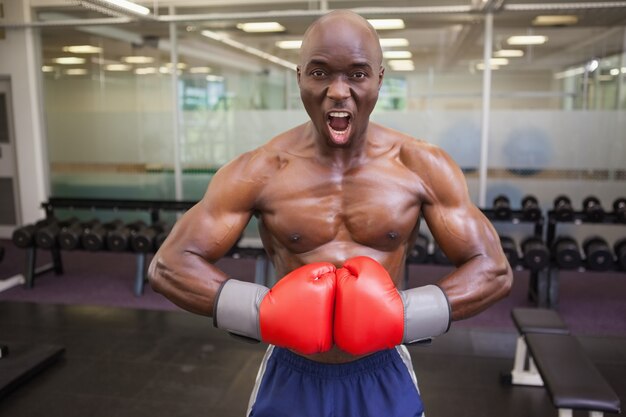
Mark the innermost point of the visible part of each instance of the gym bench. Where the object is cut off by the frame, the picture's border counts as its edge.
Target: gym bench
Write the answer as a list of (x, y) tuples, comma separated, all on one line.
[(548, 355)]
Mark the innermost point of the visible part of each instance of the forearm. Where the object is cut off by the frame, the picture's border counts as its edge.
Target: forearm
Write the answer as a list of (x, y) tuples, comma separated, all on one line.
[(477, 284), (188, 280)]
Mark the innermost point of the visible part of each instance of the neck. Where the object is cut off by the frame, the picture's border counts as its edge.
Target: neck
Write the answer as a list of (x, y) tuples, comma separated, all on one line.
[(341, 156)]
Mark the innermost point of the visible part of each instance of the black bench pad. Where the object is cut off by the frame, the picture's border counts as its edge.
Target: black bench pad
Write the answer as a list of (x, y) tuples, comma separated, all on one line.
[(571, 379), (538, 320)]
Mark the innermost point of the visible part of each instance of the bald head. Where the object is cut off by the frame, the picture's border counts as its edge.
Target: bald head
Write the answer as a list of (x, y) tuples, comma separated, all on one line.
[(337, 24)]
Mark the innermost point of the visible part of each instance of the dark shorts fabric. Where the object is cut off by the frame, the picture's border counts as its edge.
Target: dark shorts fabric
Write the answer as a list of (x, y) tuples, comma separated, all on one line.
[(379, 385)]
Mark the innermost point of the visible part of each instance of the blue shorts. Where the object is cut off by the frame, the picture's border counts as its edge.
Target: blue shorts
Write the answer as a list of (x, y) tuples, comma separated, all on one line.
[(380, 385)]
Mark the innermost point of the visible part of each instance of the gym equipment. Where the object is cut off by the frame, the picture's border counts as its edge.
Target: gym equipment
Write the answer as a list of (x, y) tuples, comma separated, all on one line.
[(566, 252), (1, 253), (160, 238), (144, 239), (419, 252), (620, 252), (94, 239), (548, 355), (118, 240), (598, 254), (619, 209), (535, 253), (509, 246), (593, 209), (46, 237), (24, 237), (439, 257), (530, 208), (563, 209), (502, 207), (69, 237)]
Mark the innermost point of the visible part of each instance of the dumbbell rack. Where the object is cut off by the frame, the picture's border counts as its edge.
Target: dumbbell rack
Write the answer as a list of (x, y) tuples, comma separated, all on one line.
[(577, 218), (153, 207), (538, 285)]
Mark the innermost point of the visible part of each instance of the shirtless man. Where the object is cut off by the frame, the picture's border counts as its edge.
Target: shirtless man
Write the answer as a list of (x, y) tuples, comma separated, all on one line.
[(338, 201)]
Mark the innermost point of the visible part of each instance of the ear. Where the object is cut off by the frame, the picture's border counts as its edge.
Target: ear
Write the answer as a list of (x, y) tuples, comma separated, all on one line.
[(381, 75), (298, 74)]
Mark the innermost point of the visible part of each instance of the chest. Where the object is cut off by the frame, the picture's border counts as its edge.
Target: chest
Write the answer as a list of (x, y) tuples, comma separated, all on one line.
[(305, 206)]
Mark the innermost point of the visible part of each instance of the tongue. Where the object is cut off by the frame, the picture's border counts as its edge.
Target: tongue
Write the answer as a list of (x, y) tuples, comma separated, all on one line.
[(339, 123)]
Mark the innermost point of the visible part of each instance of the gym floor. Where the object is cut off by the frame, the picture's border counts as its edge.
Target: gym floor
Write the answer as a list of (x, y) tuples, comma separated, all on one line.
[(151, 361)]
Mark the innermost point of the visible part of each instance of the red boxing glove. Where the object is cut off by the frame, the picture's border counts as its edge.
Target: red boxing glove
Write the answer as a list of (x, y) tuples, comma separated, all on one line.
[(369, 314), (297, 313)]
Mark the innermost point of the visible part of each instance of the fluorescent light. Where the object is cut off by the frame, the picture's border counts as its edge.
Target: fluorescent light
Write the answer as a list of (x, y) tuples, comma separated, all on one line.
[(555, 20), (82, 49), (391, 42), (69, 60), (128, 5), (508, 53), (214, 78), (180, 65), (49, 68), (592, 65), (199, 70), (385, 24), (256, 27), (614, 71), (118, 67), (146, 70), (397, 54), (527, 40), (138, 59), (401, 65), (499, 61), (481, 66), (76, 71), (289, 44)]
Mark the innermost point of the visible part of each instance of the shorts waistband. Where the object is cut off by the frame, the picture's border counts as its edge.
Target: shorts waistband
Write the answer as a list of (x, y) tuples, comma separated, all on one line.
[(331, 370)]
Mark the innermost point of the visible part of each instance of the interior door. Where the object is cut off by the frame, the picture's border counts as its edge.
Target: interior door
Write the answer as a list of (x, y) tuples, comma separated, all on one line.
[(9, 209)]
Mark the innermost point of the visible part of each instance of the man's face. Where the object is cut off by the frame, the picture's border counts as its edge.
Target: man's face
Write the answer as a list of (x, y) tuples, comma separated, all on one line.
[(339, 78)]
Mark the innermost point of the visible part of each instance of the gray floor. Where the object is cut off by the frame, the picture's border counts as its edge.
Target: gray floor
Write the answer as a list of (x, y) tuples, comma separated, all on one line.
[(126, 362)]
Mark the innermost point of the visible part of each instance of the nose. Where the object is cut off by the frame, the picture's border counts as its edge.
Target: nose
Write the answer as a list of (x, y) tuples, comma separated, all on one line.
[(338, 89)]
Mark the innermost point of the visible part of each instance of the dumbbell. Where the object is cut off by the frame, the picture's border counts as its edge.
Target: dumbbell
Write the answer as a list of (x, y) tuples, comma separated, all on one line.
[(502, 207), (24, 237), (4, 351), (593, 209), (69, 237), (530, 208), (440, 257), (509, 247), (566, 252), (46, 237), (620, 252), (419, 252), (94, 239), (144, 239), (563, 210), (619, 209), (598, 254), (118, 240), (535, 253)]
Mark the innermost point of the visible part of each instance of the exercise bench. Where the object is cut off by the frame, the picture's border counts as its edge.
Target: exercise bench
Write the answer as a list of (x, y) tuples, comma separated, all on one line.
[(548, 355)]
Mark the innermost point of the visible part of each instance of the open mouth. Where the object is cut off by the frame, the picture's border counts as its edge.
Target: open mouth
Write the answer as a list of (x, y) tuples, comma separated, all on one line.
[(339, 126)]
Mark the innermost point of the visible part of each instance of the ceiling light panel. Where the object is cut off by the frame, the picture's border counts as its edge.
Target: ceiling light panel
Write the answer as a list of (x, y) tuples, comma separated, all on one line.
[(138, 59), (527, 40), (69, 60), (508, 53), (393, 42), (293, 44), (261, 27), (555, 20), (387, 24), (397, 54), (82, 49)]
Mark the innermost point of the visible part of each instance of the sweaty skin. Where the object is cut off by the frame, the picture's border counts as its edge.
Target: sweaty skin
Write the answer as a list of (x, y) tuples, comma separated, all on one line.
[(329, 190)]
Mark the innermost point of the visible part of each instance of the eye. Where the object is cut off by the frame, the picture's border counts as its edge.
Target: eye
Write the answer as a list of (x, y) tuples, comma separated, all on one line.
[(359, 74), (318, 73)]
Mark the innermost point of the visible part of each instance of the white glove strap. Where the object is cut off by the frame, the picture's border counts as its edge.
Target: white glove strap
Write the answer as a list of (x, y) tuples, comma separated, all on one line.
[(237, 308), (426, 313)]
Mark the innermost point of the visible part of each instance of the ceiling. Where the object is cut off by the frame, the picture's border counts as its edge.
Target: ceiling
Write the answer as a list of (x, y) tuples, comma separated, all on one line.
[(439, 37)]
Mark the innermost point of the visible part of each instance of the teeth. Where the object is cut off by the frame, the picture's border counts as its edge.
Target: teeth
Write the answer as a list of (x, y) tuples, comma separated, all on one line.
[(339, 114), (338, 132)]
